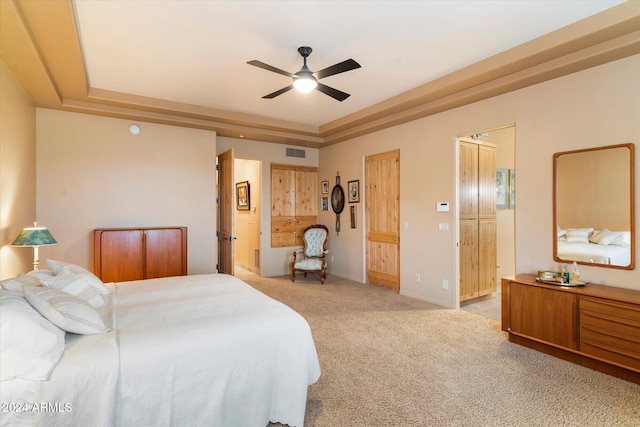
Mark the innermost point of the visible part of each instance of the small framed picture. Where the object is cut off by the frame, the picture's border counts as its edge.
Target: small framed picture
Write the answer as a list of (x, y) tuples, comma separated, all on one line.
[(353, 217), (353, 188), (325, 187), (325, 203), (502, 188), (242, 196)]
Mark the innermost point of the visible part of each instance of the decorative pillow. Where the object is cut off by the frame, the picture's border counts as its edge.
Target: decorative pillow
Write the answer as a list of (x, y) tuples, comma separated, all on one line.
[(58, 266), (78, 285), (41, 274), (30, 345), (578, 235), (66, 311), (605, 237), (18, 282)]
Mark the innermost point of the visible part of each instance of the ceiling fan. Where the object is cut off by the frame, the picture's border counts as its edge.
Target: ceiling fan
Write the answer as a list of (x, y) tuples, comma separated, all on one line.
[(305, 80)]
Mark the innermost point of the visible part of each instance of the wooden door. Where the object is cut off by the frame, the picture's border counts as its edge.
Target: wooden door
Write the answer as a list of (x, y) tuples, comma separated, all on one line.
[(306, 201), (382, 190), (487, 256), (469, 267), (486, 181), (468, 180), (225, 212), (121, 255), (165, 252), (544, 314), (283, 206)]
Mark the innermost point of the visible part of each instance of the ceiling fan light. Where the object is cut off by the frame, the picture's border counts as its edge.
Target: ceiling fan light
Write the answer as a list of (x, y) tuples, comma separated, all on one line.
[(305, 84)]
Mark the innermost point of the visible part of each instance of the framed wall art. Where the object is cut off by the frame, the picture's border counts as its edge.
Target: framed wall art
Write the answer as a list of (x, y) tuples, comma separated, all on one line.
[(325, 203), (502, 188), (353, 189), (325, 187), (242, 196)]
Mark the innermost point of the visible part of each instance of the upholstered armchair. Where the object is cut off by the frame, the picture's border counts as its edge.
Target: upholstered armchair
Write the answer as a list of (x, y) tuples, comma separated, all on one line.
[(312, 257)]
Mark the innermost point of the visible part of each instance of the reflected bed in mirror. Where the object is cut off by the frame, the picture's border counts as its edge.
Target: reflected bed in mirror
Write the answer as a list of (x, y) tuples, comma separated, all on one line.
[(593, 206)]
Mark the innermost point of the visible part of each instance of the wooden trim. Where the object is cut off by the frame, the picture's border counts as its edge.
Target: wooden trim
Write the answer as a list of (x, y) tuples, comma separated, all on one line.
[(52, 72)]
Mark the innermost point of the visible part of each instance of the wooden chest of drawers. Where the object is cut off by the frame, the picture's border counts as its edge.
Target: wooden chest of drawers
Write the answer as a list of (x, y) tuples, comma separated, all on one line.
[(596, 326)]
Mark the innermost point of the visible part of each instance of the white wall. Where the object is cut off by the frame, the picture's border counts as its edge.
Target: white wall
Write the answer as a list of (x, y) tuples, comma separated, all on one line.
[(274, 261), (599, 106), (17, 174), (246, 223), (93, 173)]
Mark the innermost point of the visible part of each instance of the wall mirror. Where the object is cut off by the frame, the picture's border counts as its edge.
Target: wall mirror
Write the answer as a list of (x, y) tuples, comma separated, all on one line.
[(593, 206)]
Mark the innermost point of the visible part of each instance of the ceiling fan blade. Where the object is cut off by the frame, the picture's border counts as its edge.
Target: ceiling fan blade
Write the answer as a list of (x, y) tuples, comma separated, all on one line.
[(279, 92), (334, 93), (269, 68), (341, 67)]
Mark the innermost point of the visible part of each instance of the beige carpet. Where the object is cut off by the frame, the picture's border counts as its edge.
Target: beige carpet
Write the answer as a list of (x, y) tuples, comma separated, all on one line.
[(390, 360)]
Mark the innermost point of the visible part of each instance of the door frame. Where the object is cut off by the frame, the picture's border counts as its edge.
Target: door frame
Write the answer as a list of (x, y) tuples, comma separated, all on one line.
[(456, 181)]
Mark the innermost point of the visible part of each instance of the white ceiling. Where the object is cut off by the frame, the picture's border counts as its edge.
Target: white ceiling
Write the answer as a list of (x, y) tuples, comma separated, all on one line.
[(195, 52)]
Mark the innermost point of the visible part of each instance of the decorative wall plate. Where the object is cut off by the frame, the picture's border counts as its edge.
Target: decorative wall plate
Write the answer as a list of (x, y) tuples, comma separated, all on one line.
[(337, 198)]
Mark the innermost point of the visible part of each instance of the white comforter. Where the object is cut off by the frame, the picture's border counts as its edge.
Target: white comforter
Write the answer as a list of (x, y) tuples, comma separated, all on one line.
[(203, 350), (593, 253)]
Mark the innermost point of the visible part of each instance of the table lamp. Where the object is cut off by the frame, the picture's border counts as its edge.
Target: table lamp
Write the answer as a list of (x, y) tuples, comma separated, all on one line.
[(34, 237)]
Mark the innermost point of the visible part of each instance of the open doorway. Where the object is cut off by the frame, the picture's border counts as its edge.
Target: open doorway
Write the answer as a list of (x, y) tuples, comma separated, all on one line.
[(246, 213), (489, 306), (238, 228)]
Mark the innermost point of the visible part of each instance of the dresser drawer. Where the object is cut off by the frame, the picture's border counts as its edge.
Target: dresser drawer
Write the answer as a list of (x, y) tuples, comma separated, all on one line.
[(610, 330), (613, 308)]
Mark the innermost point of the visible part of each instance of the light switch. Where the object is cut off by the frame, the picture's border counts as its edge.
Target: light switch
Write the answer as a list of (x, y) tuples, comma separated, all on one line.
[(443, 226)]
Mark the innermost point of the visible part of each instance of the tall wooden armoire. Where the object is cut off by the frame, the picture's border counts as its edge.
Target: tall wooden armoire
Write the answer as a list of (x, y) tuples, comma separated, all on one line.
[(478, 230)]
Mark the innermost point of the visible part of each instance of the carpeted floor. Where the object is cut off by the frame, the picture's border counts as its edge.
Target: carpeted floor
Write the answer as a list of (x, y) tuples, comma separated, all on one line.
[(390, 360)]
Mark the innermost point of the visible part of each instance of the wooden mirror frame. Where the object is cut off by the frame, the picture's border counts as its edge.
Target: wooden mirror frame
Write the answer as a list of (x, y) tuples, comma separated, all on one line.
[(631, 264)]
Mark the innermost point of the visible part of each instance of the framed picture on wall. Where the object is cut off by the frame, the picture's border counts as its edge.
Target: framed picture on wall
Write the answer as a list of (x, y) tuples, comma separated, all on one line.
[(325, 187), (242, 196), (353, 217), (502, 188), (325, 203), (353, 188), (512, 188)]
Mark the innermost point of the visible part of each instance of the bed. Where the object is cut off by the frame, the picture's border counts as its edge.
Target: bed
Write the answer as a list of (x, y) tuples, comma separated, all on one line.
[(191, 350), (595, 246)]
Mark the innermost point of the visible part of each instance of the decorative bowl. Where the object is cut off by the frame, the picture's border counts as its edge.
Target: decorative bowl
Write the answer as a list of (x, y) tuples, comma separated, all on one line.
[(548, 275)]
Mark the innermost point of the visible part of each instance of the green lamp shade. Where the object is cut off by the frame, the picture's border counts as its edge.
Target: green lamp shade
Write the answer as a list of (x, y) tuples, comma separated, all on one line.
[(34, 236)]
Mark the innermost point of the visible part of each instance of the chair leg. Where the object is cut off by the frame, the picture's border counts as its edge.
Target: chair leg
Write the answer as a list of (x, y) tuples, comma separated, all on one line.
[(293, 275), (322, 277)]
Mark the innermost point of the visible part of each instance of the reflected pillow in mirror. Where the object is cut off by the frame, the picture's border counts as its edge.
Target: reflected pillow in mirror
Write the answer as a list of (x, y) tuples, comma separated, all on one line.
[(605, 237), (561, 232), (578, 235)]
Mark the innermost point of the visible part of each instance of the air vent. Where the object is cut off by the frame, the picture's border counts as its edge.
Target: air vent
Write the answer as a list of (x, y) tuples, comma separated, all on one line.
[(295, 152)]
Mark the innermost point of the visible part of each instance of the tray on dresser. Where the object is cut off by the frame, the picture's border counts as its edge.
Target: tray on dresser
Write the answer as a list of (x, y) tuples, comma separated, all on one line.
[(573, 284)]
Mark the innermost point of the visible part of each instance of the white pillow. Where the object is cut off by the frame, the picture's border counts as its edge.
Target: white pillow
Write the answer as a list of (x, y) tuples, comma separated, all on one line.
[(66, 311), (605, 237), (578, 235), (78, 285), (59, 266), (17, 283), (41, 274), (561, 232), (30, 345)]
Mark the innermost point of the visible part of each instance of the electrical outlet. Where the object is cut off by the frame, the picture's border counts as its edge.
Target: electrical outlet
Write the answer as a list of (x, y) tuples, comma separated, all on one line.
[(417, 277), (445, 284)]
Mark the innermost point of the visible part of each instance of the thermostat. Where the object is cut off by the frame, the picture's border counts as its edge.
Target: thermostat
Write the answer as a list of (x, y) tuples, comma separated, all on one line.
[(442, 207)]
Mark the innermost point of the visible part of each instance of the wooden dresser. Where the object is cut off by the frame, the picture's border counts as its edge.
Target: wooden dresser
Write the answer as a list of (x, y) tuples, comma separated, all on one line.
[(596, 326), (122, 254)]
